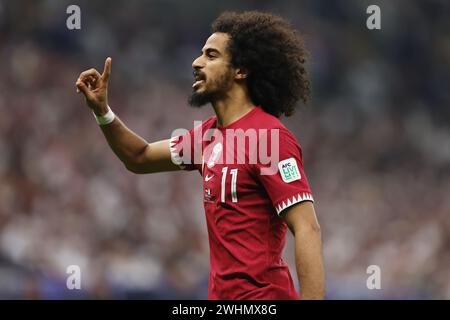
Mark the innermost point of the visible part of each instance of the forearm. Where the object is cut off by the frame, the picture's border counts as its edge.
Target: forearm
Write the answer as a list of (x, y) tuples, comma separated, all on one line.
[(137, 155), (309, 263), (126, 144)]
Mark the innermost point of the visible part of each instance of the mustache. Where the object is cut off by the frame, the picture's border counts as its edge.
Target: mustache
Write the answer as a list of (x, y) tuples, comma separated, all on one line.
[(199, 74)]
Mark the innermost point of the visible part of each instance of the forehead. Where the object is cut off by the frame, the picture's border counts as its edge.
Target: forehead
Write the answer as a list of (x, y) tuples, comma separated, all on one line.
[(218, 41)]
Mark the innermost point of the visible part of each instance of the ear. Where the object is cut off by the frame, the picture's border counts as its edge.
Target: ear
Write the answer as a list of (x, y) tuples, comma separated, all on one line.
[(241, 73)]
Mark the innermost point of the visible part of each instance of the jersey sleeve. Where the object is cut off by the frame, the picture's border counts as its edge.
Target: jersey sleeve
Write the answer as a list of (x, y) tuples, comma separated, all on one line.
[(186, 150), (287, 184), (182, 151)]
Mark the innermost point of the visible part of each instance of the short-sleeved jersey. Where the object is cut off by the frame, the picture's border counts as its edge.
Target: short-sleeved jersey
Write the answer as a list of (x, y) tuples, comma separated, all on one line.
[(252, 170)]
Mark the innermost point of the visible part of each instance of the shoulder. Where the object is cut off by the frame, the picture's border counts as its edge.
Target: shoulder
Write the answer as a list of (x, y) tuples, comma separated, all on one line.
[(269, 122), (201, 128), (264, 120), (205, 124), (210, 121)]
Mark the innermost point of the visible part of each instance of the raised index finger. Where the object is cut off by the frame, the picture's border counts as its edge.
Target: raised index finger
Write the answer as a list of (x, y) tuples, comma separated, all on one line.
[(107, 69)]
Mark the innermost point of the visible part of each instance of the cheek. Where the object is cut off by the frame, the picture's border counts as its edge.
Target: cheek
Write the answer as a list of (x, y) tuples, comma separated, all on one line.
[(217, 75), (215, 69)]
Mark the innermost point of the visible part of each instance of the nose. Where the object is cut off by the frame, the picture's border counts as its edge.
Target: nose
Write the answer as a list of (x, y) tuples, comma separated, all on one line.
[(198, 63)]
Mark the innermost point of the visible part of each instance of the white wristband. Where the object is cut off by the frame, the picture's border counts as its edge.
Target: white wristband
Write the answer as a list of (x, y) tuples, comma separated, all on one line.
[(106, 119)]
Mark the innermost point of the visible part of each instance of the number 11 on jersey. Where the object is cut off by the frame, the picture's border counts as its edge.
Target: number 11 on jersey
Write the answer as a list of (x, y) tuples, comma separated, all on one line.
[(233, 173)]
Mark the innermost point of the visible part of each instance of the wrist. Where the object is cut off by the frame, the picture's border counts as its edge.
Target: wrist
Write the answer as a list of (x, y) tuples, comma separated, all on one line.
[(105, 116), (101, 111)]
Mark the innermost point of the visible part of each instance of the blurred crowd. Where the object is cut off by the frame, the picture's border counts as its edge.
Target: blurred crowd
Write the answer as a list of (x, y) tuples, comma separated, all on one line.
[(375, 139)]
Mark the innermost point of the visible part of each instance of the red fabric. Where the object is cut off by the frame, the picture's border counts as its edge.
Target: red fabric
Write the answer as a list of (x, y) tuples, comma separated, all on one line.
[(246, 234)]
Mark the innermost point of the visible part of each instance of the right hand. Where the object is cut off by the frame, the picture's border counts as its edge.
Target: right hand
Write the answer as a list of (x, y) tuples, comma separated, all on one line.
[(94, 86)]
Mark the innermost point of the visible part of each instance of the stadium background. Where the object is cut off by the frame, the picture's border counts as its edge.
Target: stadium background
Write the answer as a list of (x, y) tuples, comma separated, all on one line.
[(376, 141)]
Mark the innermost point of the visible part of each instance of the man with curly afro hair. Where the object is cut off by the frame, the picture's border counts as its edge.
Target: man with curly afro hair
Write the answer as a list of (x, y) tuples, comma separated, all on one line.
[(252, 71)]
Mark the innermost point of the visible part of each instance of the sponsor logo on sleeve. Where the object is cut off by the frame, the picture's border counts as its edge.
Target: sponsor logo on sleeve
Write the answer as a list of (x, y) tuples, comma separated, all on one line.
[(289, 170)]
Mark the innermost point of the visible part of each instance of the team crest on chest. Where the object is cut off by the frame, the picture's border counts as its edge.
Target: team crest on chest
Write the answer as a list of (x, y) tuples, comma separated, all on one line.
[(214, 155)]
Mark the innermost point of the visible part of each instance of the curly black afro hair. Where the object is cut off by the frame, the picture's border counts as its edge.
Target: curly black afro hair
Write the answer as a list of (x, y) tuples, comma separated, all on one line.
[(272, 52)]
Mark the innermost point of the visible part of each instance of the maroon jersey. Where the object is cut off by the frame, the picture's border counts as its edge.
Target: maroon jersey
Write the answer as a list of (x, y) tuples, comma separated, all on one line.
[(243, 202)]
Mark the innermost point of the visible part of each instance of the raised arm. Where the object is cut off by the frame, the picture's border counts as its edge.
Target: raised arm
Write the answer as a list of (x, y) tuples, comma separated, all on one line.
[(137, 155)]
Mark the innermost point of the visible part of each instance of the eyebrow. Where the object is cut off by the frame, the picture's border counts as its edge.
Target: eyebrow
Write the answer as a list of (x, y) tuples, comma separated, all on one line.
[(210, 50)]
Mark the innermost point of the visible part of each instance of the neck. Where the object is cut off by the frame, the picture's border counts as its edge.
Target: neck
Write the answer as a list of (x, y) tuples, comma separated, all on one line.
[(233, 106)]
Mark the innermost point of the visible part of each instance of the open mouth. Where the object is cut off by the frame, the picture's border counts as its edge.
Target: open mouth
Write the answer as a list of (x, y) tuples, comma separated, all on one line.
[(199, 79)]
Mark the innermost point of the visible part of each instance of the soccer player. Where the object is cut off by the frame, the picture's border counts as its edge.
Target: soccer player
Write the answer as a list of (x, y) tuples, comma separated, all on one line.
[(251, 70)]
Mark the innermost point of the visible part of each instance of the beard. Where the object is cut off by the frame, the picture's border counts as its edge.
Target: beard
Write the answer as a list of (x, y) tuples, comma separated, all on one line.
[(221, 86), (199, 99)]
